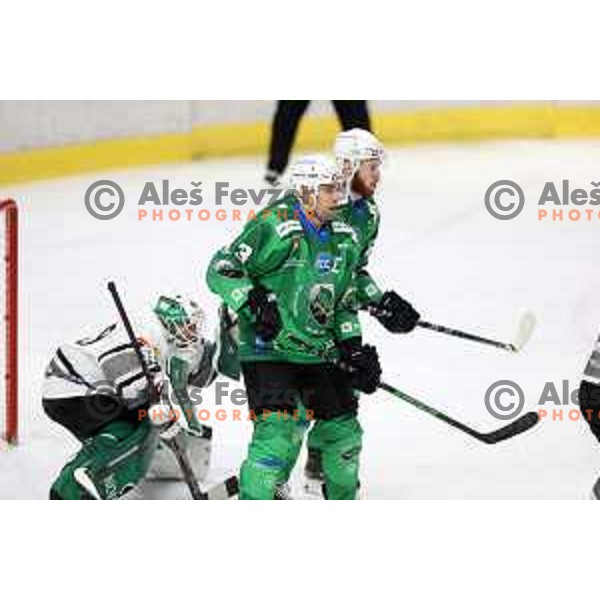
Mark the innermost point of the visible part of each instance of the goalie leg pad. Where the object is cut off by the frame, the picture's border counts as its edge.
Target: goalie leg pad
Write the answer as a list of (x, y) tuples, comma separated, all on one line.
[(109, 465)]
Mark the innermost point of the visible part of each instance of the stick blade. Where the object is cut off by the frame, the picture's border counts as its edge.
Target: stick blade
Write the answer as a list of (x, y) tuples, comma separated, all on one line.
[(525, 331), (520, 425)]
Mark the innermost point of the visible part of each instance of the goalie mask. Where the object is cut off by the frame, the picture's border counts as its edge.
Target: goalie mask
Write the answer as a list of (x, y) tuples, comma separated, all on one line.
[(352, 149), (181, 318)]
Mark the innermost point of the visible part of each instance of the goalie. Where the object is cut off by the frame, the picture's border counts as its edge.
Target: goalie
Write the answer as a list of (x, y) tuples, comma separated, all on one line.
[(95, 388)]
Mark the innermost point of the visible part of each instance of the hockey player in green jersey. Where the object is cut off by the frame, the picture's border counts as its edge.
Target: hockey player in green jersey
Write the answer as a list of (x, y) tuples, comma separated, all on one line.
[(290, 277), (359, 156), (95, 388)]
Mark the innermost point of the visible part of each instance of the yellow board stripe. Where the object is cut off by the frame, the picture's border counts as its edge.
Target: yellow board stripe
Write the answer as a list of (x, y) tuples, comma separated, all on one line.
[(94, 156), (457, 124)]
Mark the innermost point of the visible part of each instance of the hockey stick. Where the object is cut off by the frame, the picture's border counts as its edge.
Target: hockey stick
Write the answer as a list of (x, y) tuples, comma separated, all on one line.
[(226, 488), (516, 427), (524, 332)]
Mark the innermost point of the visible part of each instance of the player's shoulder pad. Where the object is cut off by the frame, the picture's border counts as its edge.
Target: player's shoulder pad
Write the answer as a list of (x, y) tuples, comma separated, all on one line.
[(281, 217), (285, 229), (281, 205), (285, 217), (339, 227)]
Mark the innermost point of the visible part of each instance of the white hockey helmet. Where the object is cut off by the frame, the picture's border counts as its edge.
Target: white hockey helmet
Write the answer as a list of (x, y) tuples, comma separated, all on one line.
[(353, 147), (307, 175), (310, 172), (181, 318)]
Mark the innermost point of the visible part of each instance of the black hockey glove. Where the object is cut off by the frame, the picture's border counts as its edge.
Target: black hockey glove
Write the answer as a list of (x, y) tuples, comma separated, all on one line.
[(362, 363), (396, 314), (263, 306), (589, 403)]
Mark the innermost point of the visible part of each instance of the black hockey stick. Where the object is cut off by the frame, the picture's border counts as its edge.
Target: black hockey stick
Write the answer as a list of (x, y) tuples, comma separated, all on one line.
[(516, 427), (467, 336), (524, 332), (224, 489)]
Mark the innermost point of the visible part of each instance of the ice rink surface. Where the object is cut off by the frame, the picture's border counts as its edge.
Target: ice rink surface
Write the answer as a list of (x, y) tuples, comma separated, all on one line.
[(438, 247)]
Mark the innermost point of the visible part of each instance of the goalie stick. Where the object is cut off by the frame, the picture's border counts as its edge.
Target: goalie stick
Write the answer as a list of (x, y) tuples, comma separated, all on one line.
[(222, 490)]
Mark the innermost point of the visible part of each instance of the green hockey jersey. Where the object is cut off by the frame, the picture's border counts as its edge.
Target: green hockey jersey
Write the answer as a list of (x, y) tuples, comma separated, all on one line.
[(363, 216), (312, 273)]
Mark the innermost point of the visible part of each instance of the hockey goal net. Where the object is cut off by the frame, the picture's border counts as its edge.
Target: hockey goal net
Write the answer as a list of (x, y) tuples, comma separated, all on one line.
[(8, 323)]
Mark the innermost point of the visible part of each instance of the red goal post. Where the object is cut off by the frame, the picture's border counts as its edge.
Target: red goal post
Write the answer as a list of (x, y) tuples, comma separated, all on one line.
[(9, 381)]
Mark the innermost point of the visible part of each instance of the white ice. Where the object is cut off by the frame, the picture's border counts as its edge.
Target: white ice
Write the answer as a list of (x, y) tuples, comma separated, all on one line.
[(438, 247)]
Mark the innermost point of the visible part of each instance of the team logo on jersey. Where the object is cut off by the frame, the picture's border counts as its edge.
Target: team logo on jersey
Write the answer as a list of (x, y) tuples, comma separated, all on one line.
[(321, 302)]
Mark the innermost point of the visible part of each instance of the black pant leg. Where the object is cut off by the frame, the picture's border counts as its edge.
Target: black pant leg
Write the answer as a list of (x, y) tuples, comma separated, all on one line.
[(352, 113), (283, 132), (271, 385), (327, 392), (85, 416)]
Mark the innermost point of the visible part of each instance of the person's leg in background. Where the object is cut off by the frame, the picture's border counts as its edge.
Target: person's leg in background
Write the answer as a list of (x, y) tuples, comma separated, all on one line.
[(352, 114), (283, 132)]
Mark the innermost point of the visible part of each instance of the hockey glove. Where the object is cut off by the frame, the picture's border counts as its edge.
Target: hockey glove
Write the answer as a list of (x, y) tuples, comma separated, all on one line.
[(395, 313), (362, 363), (263, 306), (589, 403)]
